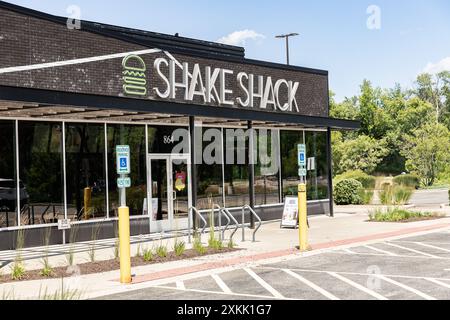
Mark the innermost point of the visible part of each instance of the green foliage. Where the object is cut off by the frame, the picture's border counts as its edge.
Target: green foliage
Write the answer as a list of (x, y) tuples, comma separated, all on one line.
[(232, 245), (426, 150), (397, 215), (401, 195), (161, 251), (179, 248), (386, 194), (148, 255), (198, 246), (47, 270), (366, 196), (361, 153), (347, 192), (407, 180), (366, 180), (17, 271)]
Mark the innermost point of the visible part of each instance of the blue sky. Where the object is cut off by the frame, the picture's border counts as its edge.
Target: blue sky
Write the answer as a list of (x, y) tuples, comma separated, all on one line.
[(414, 34)]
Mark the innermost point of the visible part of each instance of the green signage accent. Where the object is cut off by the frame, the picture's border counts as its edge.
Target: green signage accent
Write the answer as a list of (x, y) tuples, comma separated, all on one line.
[(134, 77)]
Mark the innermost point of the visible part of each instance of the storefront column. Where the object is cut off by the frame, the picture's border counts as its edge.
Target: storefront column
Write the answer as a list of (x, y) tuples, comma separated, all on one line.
[(251, 171), (193, 165), (330, 172)]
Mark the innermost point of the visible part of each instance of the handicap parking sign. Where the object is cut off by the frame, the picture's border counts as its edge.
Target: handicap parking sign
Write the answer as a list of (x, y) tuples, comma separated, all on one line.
[(123, 159)]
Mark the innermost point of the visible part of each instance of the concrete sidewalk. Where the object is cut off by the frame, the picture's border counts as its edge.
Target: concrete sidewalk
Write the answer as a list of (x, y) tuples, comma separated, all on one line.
[(348, 226)]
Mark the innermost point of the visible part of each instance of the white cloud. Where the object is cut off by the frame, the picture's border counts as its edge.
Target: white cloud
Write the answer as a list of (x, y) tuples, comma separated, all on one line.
[(238, 38), (433, 68)]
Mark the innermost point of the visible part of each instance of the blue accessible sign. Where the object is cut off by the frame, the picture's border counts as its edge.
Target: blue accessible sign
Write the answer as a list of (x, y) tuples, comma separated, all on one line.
[(123, 159)]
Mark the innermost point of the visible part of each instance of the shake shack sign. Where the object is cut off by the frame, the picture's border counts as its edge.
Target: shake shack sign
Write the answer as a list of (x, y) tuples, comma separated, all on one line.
[(169, 79)]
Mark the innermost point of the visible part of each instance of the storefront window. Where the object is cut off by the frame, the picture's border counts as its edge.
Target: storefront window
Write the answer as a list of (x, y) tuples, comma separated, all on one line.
[(85, 169), (41, 172), (134, 136), (209, 172), (267, 189), (236, 168), (317, 187), (8, 182), (317, 174)]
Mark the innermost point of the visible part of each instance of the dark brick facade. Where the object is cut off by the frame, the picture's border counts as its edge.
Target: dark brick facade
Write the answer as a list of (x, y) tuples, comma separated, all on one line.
[(25, 40)]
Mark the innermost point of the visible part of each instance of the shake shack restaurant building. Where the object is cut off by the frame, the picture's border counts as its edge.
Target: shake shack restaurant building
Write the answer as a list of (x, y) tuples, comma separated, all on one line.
[(204, 124)]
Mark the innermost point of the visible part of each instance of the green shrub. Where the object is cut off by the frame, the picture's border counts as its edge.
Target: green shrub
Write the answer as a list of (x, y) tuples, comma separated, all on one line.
[(367, 181), (401, 195), (397, 215), (407, 180), (348, 192), (147, 255), (18, 271), (386, 194), (179, 248), (198, 246), (366, 196), (161, 251)]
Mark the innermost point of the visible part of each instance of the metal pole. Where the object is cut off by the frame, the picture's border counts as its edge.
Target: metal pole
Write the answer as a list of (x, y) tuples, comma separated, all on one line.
[(287, 49), (330, 172), (251, 171), (193, 166)]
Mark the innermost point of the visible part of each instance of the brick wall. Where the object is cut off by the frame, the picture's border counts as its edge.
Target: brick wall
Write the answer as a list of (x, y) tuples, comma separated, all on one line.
[(27, 40)]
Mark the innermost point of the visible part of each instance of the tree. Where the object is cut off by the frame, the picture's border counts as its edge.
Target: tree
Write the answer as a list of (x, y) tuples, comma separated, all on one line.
[(363, 153), (426, 151)]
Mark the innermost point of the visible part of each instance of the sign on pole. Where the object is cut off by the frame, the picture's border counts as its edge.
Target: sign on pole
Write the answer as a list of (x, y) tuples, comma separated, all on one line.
[(123, 183), (123, 159), (301, 160)]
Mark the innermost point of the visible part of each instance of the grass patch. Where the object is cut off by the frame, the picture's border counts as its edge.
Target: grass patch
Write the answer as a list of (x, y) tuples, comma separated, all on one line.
[(148, 255), (198, 246), (400, 215), (161, 251), (179, 248)]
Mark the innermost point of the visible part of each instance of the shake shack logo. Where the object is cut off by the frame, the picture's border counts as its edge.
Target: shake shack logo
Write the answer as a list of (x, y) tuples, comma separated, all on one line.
[(212, 86)]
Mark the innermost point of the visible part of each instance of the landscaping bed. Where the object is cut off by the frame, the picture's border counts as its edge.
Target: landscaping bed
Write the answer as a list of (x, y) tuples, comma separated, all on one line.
[(402, 215), (113, 264)]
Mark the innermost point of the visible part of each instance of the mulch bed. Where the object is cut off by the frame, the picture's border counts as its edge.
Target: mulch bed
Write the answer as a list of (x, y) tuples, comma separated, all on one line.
[(113, 264)]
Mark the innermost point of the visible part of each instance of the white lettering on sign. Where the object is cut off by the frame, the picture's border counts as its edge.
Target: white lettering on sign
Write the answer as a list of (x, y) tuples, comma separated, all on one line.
[(213, 86)]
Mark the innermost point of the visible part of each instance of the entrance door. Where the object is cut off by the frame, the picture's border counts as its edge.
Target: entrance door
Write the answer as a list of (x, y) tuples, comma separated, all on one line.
[(169, 194)]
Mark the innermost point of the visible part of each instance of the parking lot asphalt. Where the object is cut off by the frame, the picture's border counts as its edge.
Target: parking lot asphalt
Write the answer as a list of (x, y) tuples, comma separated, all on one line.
[(408, 268)]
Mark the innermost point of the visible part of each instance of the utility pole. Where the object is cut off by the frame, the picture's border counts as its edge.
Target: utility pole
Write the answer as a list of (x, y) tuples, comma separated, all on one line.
[(286, 36)]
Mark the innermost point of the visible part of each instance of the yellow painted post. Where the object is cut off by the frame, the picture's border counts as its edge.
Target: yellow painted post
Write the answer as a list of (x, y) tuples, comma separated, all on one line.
[(302, 217), (124, 245), (87, 202)]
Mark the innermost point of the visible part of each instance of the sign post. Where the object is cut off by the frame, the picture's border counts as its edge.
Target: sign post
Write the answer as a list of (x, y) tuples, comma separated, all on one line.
[(123, 182), (302, 199)]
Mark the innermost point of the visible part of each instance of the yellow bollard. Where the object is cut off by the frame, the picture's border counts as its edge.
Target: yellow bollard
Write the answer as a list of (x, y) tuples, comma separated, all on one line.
[(302, 218), (87, 202), (124, 245)]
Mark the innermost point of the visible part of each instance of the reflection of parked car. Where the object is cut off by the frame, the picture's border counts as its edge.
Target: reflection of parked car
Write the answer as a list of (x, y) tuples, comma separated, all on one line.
[(8, 194)]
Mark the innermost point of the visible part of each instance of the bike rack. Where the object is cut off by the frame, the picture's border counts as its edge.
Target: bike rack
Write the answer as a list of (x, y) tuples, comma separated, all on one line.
[(222, 232), (243, 221), (225, 210), (189, 221)]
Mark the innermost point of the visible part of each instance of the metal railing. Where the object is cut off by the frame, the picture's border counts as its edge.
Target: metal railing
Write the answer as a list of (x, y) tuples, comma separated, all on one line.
[(221, 212), (243, 221), (190, 218), (236, 223)]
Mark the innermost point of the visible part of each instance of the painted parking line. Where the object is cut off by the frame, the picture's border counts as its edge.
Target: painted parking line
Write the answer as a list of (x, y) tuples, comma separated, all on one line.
[(384, 255), (264, 284), (404, 286), (348, 251), (222, 285), (180, 285), (358, 286), (311, 285), (443, 284), (246, 295), (412, 250), (381, 251), (431, 246)]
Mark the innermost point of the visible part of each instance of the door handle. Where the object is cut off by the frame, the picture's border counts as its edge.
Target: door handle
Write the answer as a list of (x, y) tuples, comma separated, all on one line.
[(174, 195)]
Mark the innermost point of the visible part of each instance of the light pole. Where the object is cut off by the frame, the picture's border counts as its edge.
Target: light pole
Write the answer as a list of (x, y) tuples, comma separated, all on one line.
[(286, 36)]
